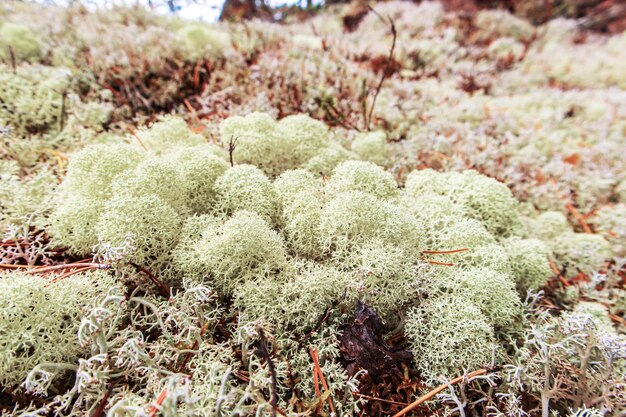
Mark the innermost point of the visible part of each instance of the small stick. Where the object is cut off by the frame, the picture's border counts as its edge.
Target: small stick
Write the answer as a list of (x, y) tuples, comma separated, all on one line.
[(387, 66), (11, 266), (12, 55), (438, 252), (232, 145), (379, 399), (436, 391), (103, 403), (165, 292)]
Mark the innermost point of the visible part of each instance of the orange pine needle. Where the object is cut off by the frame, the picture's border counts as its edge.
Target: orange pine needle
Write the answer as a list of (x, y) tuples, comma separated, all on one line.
[(579, 217), (436, 391), (439, 252), (155, 408), (440, 263), (317, 371)]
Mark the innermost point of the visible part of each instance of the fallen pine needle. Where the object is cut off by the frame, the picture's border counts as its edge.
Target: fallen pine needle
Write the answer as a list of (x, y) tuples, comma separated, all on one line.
[(379, 399), (317, 371), (440, 263), (579, 217), (438, 252), (155, 408), (436, 391)]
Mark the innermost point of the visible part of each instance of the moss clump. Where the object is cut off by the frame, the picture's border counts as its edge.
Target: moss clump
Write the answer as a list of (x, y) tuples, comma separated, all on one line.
[(325, 161), (72, 224), (40, 321), (371, 147), (245, 187), (22, 42), (529, 264), (448, 335), (243, 249), (147, 226), (549, 225), (363, 176), (198, 168), (168, 133)]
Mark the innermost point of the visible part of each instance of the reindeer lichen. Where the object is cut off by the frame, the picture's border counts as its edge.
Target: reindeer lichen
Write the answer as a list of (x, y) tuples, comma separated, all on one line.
[(40, 321), (363, 176), (19, 40)]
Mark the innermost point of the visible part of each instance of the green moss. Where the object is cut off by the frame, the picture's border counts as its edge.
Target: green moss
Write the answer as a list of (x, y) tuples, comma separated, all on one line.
[(386, 279), (483, 198), (286, 305), (301, 221), (291, 183), (371, 147), (245, 187), (244, 249), (363, 176), (147, 223), (528, 259), (21, 40), (40, 321), (549, 225), (448, 335)]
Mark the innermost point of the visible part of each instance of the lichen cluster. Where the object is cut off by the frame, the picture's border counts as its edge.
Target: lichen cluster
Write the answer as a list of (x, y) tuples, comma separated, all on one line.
[(190, 213)]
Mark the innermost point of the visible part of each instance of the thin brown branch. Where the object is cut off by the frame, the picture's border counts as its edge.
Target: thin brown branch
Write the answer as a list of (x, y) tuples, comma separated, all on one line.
[(165, 292), (383, 76)]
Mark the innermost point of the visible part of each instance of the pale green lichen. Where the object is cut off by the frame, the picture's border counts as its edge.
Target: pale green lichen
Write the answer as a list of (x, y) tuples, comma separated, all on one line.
[(581, 251), (200, 40), (272, 146), (199, 168), (490, 291), (91, 171), (371, 147), (363, 176), (353, 218), (529, 262), (449, 335), (328, 158), (293, 182), (243, 249), (245, 187), (156, 177), (168, 133), (146, 225), (20, 41), (40, 321), (72, 224)]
